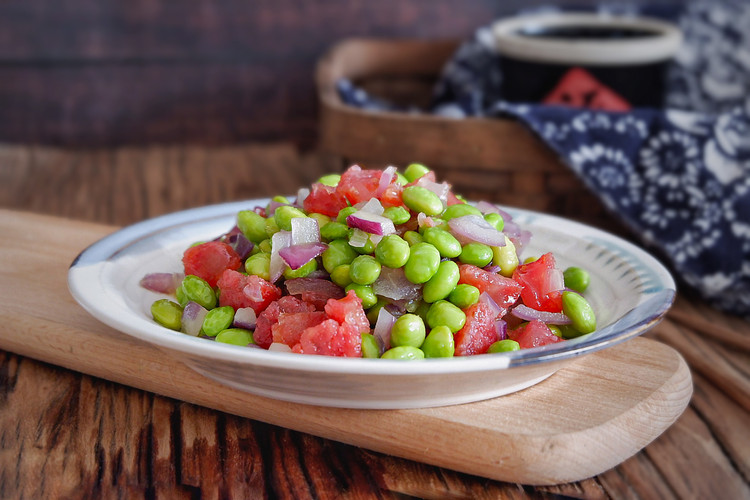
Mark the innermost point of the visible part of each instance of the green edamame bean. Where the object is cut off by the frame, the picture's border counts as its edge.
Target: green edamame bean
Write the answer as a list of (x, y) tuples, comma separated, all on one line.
[(370, 347), (439, 343), (464, 295), (506, 345), (265, 246), (167, 314), (530, 259), (321, 218), (556, 330), (568, 331), (330, 180), (442, 283), (365, 294), (404, 352), (506, 258), (408, 330), (420, 199), (334, 231), (459, 210), (198, 290), (339, 252), (399, 215), (271, 227), (422, 264), (217, 320), (476, 254), (344, 213), (401, 179), (252, 225), (579, 311), (413, 237), (301, 272), (259, 265), (340, 275), (284, 215), (392, 251), (373, 312), (180, 295), (444, 313), (364, 270), (445, 242), (368, 248), (576, 278), (414, 171), (421, 309), (496, 220), (235, 336)]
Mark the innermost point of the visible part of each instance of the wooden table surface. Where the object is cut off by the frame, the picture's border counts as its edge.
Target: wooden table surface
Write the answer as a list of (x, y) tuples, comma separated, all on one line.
[(64, 434)]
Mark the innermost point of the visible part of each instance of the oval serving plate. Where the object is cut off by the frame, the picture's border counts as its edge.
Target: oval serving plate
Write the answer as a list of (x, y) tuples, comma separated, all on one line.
[(630, 292)]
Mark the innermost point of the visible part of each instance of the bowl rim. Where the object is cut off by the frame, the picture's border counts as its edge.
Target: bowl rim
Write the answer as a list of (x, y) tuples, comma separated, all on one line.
[(592, 52), (95, 260)]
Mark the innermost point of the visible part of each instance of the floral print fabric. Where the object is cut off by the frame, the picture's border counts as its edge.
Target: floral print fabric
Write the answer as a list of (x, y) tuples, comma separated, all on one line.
[(678, 177)]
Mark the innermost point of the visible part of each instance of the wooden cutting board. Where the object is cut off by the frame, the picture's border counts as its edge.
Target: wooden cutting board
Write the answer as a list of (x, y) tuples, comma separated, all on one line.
[(585, 419)]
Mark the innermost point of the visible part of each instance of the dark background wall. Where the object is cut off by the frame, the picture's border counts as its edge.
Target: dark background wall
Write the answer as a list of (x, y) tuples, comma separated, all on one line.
[(92, 72)]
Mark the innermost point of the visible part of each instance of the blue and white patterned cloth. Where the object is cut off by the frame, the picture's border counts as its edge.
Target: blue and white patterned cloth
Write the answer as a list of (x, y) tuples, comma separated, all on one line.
[(678, 177)]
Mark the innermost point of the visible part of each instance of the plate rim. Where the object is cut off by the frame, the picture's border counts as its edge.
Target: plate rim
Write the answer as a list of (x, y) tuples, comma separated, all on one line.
[(99, 253)]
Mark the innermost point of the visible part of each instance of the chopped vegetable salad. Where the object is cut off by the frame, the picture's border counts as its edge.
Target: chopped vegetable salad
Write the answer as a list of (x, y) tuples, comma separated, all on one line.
[(374, 264)]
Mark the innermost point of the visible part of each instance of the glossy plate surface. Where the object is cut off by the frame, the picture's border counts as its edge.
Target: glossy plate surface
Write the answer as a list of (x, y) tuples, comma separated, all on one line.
[(630, 292)]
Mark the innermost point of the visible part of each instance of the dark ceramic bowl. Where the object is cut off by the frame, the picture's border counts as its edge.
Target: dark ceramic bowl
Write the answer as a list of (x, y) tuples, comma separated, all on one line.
[(627, 54)]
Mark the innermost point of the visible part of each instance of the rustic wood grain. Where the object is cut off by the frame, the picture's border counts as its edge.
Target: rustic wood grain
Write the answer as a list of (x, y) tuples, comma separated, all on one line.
[(87, 73), (84, 432), (542, 425)]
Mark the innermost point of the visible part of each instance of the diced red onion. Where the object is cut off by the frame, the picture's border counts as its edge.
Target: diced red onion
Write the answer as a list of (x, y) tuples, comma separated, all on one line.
[(260, 211), (279, 347), (498, 311), (299, 286), (302, 193), (383, 327), (193, 315), (505, 215), (424, 220), (385, 180), (359, 238), (272, 206), (526, 313), (162, 282), (241, 245), (487, 208), (371, 223), (296, 256), (245, 318), (319, 273), (492, 268), (393, 284), (397, 308), (441, 190), (475, 228), (555, 281), (279, 241), (305, 230), (501, 327)]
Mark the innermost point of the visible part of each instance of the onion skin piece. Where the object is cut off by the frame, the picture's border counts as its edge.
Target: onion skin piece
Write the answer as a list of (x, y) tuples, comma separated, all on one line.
[(526, 313), (162, 282)]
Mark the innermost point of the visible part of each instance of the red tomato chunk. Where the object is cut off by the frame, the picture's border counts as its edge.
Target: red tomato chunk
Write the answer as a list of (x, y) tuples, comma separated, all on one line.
[(534, 277), (209, 260), (533, 334), (479, 332)]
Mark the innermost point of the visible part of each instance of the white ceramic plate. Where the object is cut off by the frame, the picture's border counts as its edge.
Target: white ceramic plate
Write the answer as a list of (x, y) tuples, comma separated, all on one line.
[(630, 292)]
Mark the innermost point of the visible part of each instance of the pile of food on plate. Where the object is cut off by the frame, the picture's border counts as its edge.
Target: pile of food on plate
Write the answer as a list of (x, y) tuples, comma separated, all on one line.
[(374, 264)]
